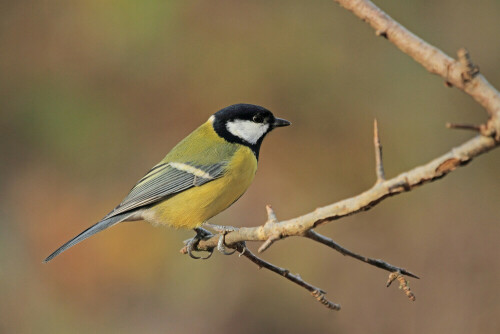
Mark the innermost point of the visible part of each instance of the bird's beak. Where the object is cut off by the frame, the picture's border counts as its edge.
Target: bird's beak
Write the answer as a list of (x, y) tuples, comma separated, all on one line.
[(278, 122)]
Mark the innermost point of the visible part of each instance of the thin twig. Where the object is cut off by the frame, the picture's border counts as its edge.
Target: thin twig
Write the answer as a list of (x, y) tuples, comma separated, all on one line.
[(318, 293), (313, 235), (476, 128), (379, 165)]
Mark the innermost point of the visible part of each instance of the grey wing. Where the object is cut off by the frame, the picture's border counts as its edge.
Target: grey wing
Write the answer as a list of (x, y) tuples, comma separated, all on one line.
[(166, 179)]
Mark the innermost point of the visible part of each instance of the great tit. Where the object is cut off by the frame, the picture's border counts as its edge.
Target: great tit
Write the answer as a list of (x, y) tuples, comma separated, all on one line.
[(202, 175)]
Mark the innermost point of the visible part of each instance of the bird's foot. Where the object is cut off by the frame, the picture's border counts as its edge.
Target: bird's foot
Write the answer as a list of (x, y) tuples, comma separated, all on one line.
[(221, 244), (191, 244), (222, 230)]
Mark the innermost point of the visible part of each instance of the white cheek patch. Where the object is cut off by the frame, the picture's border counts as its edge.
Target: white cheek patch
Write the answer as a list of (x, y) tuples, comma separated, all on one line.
[(249, 131)]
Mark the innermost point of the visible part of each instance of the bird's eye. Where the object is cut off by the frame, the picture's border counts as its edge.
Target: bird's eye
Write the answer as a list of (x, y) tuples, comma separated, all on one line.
[(258, 119)]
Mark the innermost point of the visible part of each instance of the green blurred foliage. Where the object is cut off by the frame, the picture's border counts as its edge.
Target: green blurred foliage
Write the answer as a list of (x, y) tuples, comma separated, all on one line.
[(94, 93)]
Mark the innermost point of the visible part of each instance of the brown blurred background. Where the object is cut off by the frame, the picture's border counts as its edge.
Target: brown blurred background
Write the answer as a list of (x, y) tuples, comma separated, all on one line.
[(94, 93)]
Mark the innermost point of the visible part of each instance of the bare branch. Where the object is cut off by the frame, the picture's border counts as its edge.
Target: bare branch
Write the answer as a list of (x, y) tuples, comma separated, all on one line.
[(461, 73), (311, 234), (435, 61), (433, 170), (316, 292), (379, 166)]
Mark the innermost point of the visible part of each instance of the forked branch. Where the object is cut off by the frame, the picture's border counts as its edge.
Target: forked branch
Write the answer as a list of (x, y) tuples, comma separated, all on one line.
[(461, 73)]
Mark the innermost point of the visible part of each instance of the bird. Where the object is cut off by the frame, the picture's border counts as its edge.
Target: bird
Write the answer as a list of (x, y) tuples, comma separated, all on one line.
[(200, 177)]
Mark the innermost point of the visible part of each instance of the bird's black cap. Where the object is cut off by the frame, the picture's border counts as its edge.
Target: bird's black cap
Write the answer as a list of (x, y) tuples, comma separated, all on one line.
[(246, 112)]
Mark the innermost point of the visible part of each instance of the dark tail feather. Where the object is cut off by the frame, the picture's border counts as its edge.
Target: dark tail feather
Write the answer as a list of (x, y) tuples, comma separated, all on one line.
[(102, 225)]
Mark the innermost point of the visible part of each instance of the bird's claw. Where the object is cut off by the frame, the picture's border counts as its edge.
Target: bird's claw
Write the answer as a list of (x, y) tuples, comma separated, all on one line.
[(221, 244), (191, 244), (222, 230)]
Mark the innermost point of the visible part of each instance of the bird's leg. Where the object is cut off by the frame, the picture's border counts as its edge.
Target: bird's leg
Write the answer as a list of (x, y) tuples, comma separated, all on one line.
[(192, 243), (222, 230)]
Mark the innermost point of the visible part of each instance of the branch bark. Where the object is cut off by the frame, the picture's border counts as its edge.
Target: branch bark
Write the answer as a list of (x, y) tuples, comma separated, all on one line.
[(461, 73), (433, 170)]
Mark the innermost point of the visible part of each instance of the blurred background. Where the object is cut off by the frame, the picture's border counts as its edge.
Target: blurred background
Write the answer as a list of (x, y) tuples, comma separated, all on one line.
[(94, 93)]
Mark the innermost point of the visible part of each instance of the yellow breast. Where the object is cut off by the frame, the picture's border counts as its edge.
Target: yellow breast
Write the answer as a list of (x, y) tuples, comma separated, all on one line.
[(191, 208)]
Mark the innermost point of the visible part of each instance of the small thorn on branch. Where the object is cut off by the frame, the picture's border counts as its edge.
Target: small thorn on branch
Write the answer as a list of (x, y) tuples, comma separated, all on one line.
[(483, 129), (472, 70), (379, 166), (403, 284), (271, 220), (269, 242), (472, 127), (271, 216)]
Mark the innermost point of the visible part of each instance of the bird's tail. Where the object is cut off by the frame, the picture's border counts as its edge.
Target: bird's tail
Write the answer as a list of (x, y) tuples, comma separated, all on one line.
[(102, 225)]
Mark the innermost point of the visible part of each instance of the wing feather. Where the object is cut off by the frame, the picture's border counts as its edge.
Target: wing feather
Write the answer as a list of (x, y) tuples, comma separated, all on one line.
[(164, 180)]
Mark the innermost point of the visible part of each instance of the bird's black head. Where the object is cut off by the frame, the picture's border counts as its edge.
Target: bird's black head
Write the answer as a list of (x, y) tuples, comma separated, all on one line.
[(246, 124)]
